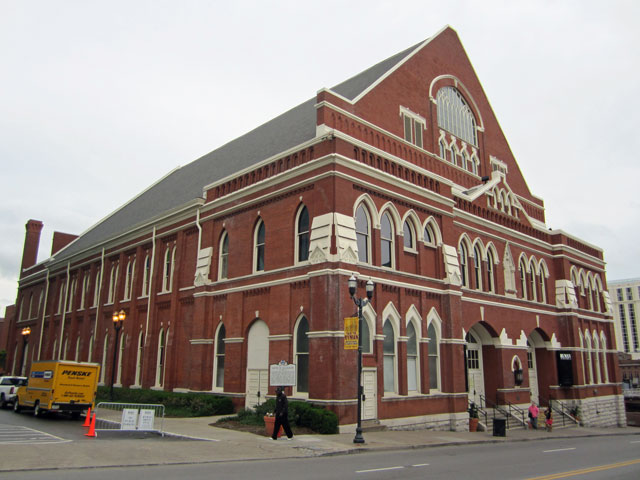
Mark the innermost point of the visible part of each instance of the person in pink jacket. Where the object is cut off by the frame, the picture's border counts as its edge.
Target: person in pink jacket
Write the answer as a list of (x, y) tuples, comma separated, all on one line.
[(533, 415)]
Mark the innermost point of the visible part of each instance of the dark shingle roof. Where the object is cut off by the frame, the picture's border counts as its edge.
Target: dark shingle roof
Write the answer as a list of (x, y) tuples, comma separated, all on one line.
[(185, 184)]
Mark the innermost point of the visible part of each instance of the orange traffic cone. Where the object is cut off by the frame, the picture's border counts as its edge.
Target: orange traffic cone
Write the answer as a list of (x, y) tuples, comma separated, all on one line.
[(92, 428), (87, 418)]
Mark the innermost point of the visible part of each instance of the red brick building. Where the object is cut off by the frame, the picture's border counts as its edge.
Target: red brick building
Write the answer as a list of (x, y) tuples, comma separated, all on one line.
[(240, 259)]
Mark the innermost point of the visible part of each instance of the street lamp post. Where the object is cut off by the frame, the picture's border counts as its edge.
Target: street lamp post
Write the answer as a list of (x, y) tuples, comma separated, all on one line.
[(360, 302), (118, 319), (26, 331)]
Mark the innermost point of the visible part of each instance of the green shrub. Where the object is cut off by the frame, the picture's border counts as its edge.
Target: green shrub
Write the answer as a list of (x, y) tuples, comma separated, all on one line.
[(175, 404), (316, 418)]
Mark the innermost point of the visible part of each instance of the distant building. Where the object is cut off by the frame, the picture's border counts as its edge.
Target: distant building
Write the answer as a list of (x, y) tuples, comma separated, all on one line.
[(625, 297), (241, 259)]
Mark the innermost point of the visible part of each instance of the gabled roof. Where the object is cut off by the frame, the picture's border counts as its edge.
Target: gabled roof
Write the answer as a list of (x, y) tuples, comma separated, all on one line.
[(185, 184)]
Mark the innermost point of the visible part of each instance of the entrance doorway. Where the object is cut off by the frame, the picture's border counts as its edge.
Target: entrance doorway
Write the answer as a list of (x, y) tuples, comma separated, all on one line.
[(257, 379), (370, 391), (475, 375)]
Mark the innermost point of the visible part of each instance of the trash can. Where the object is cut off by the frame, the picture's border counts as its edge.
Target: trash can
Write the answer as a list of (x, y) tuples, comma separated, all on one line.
[(499, 427)]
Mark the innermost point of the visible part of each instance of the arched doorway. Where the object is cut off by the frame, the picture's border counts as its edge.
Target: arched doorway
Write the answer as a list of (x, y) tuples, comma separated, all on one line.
[(475, 375), (257, 380)]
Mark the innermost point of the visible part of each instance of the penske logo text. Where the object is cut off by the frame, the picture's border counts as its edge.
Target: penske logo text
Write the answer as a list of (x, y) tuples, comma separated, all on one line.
[(76, 373)]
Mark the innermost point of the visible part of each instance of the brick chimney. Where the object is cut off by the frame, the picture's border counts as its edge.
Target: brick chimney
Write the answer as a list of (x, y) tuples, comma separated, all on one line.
[(31, 244)]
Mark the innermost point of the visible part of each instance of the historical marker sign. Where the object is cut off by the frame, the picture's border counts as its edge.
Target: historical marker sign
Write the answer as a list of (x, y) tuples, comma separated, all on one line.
[(282, 374)]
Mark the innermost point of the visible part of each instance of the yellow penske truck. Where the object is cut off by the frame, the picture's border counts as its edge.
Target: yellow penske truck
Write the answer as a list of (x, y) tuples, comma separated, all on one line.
[(59, 386)]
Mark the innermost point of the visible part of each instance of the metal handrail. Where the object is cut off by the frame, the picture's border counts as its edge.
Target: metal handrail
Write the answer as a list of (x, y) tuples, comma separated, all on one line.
[(480, 410), (564, 411), (496, 407), (519, 411)]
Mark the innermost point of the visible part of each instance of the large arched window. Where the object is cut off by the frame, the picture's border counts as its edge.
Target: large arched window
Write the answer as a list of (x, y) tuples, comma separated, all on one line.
[(85, 288), (113, 280), (491, 276), (389, 353), (413, 372), (596, 360), (302, 355), (128, 281), (434, 359), (523, 278), (138, 378), (167, 276), (259, 241), (543, 284), (219, 358), (464, 273), (603, 352), (386, 241), (588, 352), (455, 116), (409, 235), (146, 278), (105, 348), (160, 358), (223, 260), (302, 235), (477, 267), (362, 233)]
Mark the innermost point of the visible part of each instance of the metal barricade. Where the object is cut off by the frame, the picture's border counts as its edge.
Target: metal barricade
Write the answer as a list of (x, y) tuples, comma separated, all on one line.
[(136, 417)]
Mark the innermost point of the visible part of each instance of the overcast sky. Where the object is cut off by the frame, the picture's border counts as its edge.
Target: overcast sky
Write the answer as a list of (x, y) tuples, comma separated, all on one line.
[(99, 99)]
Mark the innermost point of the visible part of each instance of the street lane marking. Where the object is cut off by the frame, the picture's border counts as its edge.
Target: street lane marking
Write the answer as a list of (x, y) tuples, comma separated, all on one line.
[(14, 434), (583, 471), (558, 450), (379, 469), (420, 465), (635, 441)]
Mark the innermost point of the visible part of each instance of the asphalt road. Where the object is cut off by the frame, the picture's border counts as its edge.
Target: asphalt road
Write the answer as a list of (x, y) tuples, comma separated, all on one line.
[(57, 425), (581, 457)]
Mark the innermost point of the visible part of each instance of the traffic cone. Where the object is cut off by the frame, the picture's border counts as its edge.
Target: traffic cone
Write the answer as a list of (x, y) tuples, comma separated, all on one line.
[(87, 418), (92, 428)]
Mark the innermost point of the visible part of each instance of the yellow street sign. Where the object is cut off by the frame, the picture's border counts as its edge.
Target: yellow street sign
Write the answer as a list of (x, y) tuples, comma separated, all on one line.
[(351, 333)]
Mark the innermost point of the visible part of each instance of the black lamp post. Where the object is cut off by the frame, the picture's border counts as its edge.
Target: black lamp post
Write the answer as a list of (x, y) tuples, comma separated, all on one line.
[(118, 319), (360, 302), (26, 331)]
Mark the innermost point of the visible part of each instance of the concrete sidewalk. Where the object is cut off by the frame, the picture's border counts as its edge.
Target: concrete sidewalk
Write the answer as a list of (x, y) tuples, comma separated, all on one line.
[(193, 440)]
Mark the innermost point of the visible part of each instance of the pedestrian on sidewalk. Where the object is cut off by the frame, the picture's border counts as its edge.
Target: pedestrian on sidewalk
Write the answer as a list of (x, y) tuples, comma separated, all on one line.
[(533, 416), (548, 422), (282, 415)]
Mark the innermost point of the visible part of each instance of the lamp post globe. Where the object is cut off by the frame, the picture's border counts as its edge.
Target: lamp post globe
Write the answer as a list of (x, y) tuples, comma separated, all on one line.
[(118, 319)]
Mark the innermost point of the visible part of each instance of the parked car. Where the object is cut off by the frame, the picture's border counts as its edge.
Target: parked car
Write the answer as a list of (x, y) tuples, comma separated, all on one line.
[(8, 389)]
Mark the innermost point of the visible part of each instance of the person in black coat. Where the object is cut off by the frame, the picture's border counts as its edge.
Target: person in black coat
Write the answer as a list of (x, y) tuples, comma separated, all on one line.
[(282, 415)]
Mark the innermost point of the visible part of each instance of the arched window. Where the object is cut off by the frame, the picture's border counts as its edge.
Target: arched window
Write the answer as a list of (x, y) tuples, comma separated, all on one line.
[(428, 235), (105, 348), (96, 288), (71, 295), (365, 336), (443, 149), (386, 241), (160, 359), (362, 233), (455, 116), (491, 278), (90, 353), (413, 374), (128, 281), (85, 289), (434, 359), (302, 355), (167, 274), (532, 281), (123, 342), (259, 241), (477, 267), (523, 278), (464, 274), (61, 298), (147, 276), (138, 379), (589, 357), (223, 260), (543, 285), (409, 236), (389, 353), (302, 235), (596, 360), (113, 281), (76, 358), (603, 351), (219, 359)]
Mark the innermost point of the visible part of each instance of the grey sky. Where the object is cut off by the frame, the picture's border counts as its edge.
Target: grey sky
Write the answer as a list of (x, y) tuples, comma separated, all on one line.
[(99, 99)]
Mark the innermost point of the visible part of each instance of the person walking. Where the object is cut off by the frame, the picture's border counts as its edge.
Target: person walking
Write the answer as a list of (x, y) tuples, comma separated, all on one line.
[(533, 415), (282, 415), (548, 419)]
